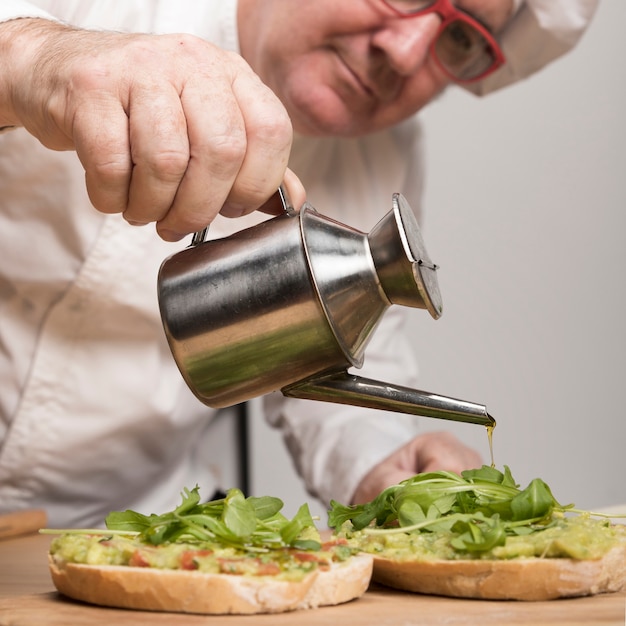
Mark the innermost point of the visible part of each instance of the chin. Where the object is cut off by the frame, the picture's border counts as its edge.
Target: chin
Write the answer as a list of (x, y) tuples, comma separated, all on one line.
[(330, 128)]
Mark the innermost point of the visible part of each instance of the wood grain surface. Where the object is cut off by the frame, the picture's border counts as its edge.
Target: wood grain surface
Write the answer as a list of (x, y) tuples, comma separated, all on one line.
[(27, 598), (378, 607)]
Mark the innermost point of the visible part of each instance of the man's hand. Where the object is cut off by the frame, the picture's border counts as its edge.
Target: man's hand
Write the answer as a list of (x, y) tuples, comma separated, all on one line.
[(169, 128), (426, 453)]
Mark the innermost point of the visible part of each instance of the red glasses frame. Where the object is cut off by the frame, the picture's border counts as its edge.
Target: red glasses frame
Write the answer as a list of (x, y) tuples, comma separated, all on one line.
[(449, 14)]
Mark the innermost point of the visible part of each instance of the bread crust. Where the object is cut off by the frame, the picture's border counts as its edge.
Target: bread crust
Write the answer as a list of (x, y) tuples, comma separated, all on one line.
[(531, 579), (183, 591)]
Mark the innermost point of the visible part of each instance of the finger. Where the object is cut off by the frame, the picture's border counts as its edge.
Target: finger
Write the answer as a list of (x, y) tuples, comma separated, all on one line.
[(104, 151), (295, 196), (160, 152), (217, 145), (295, 189), (269, 137)]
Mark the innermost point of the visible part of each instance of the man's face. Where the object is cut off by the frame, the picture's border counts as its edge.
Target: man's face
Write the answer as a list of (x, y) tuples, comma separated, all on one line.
[(348, 67)]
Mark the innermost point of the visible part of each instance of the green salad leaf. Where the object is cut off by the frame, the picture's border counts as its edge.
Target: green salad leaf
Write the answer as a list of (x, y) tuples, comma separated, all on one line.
[(254, 522), (480, 507)]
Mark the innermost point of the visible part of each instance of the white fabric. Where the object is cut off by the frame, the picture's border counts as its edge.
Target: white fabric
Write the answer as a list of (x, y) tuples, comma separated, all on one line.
[(540, 32), (19, 8), (94, 415)]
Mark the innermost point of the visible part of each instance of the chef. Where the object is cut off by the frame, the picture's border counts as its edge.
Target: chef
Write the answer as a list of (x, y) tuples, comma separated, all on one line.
[(119, 116)]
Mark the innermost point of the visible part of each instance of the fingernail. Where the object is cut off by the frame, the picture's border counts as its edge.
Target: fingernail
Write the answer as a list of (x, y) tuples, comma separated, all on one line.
[(136, 223)]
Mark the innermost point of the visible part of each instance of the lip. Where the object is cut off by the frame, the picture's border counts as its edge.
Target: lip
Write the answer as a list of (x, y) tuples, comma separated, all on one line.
[(379, 91), (355, 79)]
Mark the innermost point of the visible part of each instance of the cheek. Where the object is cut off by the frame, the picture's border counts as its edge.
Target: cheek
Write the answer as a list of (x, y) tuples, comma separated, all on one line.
[(321, 111), (285, 61), (313, 102), (416, 93), (318, 104)]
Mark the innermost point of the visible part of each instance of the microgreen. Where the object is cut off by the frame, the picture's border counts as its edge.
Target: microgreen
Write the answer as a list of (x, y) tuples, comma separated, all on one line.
[(479, 507), (254, 522)]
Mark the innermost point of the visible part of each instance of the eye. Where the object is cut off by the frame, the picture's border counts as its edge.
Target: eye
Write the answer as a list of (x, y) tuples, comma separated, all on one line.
[(463, 50), (461, 39)]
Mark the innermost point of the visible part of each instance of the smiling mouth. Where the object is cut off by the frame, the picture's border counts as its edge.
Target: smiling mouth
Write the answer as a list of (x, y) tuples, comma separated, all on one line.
[(382, 89), (355, 80)]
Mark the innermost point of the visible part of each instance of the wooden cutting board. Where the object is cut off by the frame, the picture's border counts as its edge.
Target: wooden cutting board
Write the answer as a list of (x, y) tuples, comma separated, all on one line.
[(27, 599), (378, 607)]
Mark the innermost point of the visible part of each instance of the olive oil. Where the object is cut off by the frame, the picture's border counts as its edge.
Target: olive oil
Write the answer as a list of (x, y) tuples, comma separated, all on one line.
[(490, 428)]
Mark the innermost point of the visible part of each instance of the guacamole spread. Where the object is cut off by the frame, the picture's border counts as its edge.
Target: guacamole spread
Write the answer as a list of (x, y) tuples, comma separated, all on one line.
[(208, 557), (580, 537)]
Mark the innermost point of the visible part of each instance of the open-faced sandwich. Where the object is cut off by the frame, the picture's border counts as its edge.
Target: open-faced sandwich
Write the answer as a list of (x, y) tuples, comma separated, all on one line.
[(234, 555), (478, 535)]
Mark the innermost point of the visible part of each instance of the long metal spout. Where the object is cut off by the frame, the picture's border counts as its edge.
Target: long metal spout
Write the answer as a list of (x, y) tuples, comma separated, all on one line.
[(345, 388)]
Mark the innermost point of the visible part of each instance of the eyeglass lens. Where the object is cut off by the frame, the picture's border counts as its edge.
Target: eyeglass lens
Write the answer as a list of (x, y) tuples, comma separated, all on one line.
[(461, 48)]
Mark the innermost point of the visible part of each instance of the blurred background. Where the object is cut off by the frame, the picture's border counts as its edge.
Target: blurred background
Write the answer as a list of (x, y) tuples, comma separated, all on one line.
[(525, 213)]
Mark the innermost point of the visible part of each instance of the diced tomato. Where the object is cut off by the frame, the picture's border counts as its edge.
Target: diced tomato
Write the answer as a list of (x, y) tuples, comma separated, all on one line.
[(339, 541), (248, 565), (188, 558), (268, 569), (138, 560), (308, 557)]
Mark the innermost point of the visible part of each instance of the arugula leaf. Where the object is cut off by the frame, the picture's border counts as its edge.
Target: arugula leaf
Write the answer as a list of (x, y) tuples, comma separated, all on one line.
[(127, 520), (190, 499), (480, 506), (266, 507), (239, 515), (410, 512), (488, 474), (536, 501), (234, 520), (478, 535), (292, 530)]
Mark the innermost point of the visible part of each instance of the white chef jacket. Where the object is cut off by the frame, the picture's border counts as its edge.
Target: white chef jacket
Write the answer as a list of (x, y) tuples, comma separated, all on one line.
[(94, 415)]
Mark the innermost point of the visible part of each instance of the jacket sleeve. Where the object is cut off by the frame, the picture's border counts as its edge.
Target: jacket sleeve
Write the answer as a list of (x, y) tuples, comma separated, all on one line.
[(13, 9)]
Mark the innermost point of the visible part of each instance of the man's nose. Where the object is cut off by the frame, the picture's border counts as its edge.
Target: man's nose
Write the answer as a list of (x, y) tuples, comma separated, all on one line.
[(406, 41)]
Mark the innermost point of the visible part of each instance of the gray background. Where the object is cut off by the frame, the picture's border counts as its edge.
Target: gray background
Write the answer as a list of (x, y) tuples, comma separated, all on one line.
[(525, 214)]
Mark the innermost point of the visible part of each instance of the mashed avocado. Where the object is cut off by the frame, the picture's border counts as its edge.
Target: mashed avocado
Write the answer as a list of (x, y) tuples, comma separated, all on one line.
[(580, 537), (208, 557)]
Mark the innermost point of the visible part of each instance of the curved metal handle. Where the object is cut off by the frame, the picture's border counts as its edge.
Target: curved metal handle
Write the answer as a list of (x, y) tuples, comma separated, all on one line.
[(279, 201), (286, 205), (343, 388), (199, 236)]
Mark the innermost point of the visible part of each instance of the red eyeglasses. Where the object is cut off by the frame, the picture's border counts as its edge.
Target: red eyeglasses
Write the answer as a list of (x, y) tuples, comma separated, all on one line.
[(464, 49)]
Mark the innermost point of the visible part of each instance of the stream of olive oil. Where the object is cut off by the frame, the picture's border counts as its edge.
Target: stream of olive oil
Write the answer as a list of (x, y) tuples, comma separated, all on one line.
[(490, 439)]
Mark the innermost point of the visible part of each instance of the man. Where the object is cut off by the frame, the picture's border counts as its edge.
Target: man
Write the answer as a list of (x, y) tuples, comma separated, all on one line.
[(174, 129)]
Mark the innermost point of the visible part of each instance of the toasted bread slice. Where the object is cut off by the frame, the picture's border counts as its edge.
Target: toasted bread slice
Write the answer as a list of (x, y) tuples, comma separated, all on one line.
[(198, 592), (529, 578)]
